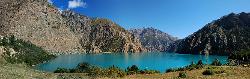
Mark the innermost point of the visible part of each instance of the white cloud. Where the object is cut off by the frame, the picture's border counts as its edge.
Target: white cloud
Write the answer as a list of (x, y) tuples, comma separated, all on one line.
[(50, 1), (76, 3)]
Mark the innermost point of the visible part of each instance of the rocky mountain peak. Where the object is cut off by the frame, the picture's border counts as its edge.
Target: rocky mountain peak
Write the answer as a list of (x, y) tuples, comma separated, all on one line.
[(224, 36), (153, 39), (44, 25), (233, 20)]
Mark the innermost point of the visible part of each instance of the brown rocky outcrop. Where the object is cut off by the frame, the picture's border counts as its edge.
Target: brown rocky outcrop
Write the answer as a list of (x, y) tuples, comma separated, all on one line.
[(42, 24), (224, 36)]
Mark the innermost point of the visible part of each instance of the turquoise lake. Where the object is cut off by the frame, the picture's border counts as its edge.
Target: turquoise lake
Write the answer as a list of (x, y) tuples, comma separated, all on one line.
[(157, 61)]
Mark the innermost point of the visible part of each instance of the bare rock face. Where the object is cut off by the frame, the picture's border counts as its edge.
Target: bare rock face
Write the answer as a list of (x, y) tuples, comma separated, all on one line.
[(101, 35), (35, 21), (153, 39), (42, 24), (224, 36)]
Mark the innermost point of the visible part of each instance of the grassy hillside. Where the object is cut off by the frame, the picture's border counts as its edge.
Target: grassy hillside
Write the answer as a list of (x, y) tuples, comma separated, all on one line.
[(19, 51), (231, 72), (21, 71)]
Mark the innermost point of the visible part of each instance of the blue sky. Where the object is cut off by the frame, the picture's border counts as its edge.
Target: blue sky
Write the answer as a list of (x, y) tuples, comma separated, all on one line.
[(179, 18)]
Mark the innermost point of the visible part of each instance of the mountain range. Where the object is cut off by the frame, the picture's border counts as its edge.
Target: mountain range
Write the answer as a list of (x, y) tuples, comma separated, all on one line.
[(153, 39), (44, 25), (224, 36)]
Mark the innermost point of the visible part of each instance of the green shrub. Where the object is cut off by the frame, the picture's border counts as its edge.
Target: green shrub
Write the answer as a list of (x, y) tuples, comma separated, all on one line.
[(192, 66), (113, 72), (62, 70), (26, 51), (149, 71), (208, 72), (216, 62), (132, 70), (83, 67), (175, 69), (94, 71), (217, 70), (182, 75), (171, 70), (200, 62)]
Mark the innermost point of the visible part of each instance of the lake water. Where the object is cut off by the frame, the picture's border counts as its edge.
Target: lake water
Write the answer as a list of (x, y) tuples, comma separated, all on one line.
[(158, 61)]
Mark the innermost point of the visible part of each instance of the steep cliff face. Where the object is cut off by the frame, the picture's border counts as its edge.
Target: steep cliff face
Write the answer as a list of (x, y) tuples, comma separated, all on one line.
[(221, 37), (42, 24), (36, 21), (153, 39), (110, 37), (101, 35)]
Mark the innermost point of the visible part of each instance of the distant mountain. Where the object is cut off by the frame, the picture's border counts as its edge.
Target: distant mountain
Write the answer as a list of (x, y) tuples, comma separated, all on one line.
[(44, 25), (224, 36), (153, 39)]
